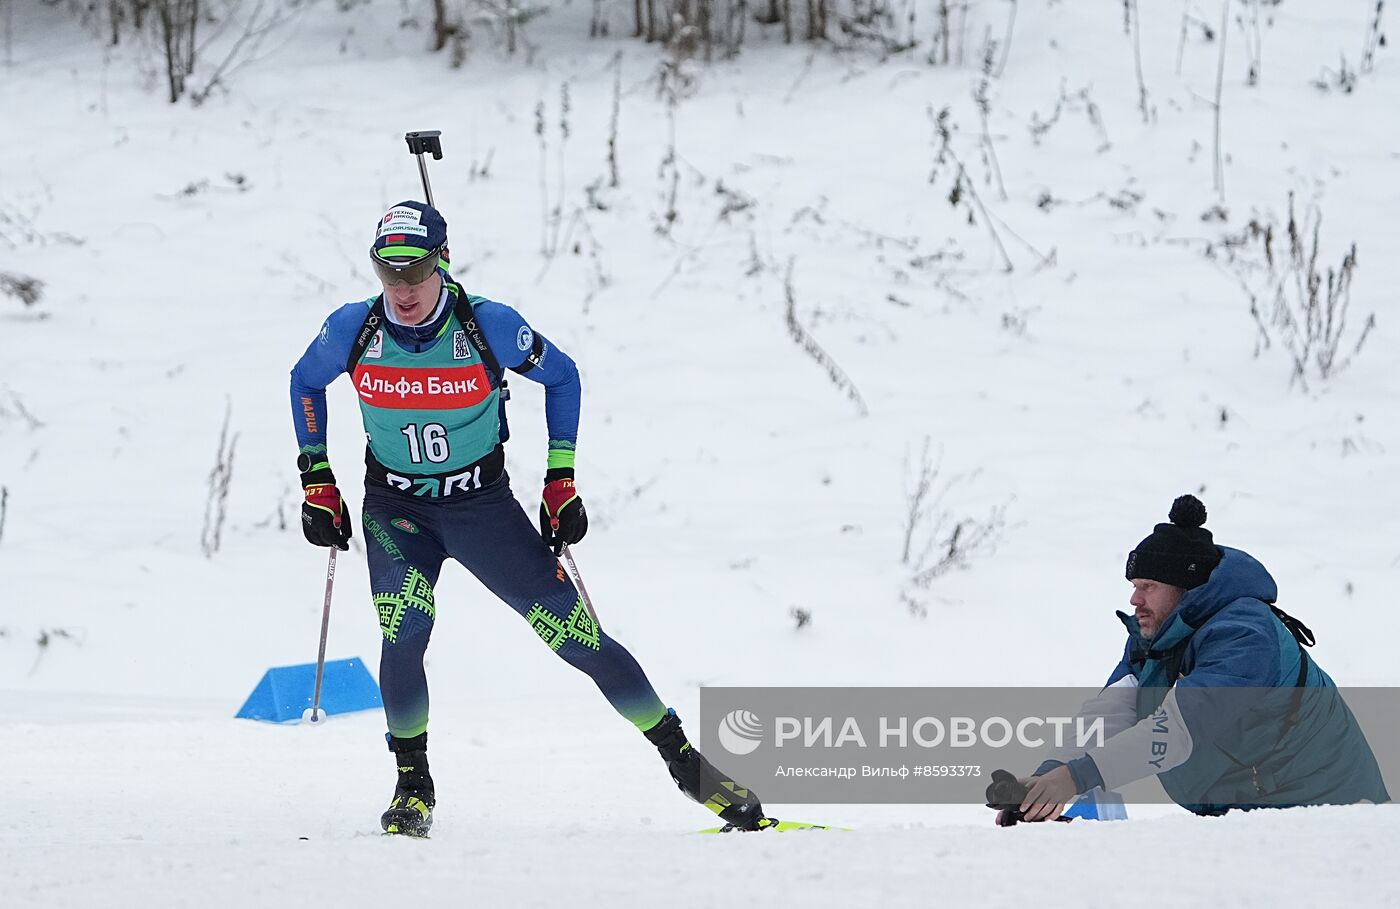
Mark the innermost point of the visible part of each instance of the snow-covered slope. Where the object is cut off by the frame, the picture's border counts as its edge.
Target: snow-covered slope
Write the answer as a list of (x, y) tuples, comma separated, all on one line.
[(189, 254)]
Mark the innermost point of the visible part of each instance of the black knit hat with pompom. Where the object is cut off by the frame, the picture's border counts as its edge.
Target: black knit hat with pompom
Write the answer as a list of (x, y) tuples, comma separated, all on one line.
[(1181, 553)]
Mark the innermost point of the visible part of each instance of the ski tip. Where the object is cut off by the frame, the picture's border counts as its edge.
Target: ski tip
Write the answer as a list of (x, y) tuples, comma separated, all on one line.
[(411, 833), (775, 825)]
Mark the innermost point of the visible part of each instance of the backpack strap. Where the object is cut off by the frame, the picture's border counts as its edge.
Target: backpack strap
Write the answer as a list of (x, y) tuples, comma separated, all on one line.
[(373, 320), (1304, 636), (467, 316), (1301, 633), (462, 308)]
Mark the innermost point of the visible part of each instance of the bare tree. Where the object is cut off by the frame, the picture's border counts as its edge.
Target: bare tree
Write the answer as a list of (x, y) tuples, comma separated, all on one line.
[(613, 179), (1312, 318), (250, 27), (1006, 42), (182, 34), (1291, 299), (736, 15), (598, 21), (1219, 83), (942, 39), (1374, 38), (1131, 5), (962, 189), (216, 503), (440, 27), (936, 539), (654, 26), (816, 20), (982, 99), (177, 22), (552, 205), (675, 82), (814, 350), (1253, 43)]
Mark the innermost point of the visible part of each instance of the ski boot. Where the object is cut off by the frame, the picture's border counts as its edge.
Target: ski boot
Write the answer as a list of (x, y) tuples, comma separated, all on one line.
[(736, 805), (411, 810)]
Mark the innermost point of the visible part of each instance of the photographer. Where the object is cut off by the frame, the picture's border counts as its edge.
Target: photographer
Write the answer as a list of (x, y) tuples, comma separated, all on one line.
[(1214, 695)]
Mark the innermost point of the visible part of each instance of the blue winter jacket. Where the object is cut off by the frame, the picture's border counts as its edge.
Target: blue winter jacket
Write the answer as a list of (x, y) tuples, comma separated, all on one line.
[(1226, 708)]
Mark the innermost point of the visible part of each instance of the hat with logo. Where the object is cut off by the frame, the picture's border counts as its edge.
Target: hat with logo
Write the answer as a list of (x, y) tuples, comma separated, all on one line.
[(409, 239), (1181, 553)]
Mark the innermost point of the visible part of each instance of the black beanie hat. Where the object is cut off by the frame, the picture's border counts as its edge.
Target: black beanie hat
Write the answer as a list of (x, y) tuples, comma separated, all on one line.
[(1180, 553)]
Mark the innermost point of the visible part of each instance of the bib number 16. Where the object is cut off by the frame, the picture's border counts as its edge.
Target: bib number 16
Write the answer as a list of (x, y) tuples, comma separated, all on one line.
[(433, 443)]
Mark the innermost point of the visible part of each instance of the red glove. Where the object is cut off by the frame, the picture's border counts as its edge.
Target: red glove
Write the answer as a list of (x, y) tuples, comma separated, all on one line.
[(325, 518), (562, 518)]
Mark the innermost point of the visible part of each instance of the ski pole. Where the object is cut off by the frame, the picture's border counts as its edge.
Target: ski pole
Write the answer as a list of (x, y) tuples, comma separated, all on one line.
[(578, 579), (315, 714), (420, 143)]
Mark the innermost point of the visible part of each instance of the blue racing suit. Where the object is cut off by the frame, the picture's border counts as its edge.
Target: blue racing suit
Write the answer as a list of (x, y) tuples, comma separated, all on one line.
[(433, 404)]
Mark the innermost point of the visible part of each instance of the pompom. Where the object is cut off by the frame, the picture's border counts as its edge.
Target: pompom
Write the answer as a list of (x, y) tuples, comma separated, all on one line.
[(1187, 511)]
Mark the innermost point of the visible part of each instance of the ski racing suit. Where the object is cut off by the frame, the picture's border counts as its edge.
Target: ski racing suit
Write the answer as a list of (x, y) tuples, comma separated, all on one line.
[(436, 486)]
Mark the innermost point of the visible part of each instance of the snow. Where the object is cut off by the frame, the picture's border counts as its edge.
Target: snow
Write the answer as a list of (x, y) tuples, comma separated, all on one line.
[(187, 808), (727, 479)]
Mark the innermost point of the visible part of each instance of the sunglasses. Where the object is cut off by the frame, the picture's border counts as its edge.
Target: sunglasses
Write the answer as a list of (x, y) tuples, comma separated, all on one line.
[(403, 270)]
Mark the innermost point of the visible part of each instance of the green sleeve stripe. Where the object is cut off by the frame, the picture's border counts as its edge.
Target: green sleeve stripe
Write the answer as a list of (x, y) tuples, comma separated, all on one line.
[(560, 457)]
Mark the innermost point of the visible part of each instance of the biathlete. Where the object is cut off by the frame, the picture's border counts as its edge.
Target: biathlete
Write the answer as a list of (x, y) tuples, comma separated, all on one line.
[(427, 361)]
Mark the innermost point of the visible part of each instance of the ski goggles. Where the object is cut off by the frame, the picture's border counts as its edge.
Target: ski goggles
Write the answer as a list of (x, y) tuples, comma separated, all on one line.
[(405, 264)]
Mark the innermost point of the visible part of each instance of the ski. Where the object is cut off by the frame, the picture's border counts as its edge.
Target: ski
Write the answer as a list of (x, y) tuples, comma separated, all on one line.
[(775, 825)]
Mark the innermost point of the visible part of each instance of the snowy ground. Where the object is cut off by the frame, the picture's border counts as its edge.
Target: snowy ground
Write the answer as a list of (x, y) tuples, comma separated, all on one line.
[(189, 254), (186, 809)]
